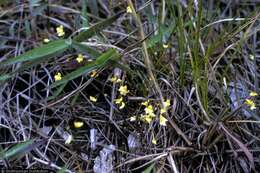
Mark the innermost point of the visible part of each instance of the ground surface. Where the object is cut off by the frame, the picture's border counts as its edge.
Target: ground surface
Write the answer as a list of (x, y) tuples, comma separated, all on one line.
[(130, 86)]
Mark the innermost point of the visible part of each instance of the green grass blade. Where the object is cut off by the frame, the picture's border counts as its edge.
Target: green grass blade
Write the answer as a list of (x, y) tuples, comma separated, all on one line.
[(43, 51), (57, 92), (84, 35), (27, 29), (5, 77), (181, 42), (62, 170), (164, 32), (149, 169), (17, 149), (94, 7), (84, 13), (82, 70), (85, 49), (111, 54), (23, 67)]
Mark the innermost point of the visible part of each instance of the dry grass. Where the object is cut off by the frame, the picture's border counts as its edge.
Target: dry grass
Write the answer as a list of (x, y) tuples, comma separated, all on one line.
[(203, 57)]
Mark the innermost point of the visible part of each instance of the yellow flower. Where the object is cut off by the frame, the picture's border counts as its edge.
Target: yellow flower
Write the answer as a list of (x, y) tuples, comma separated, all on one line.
[(253, 107), (46, 40), (149, 111), (123, 90), (93, 73), (252, 57), (80, 58), (122, 105), (253, 94), (250, 103), (93, 99), (147, 118), (69, 139), (165, 46), (129, 9), (119, 100), (57, 77), (145, 103), (133, 118), (60, 31), (154, 140), (163, 110), (163, 120), (167, 103), (114, 79), (78, 124)]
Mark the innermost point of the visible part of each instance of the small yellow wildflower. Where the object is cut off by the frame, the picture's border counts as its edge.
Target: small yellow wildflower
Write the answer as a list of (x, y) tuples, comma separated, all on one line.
[(163, 120), (92, 98), (163, 110), (253, 107), (118, 80), (57, 77), (80, 58), (46, 40), (123, 90), (250, 103), (78, 124), (114, 79), (93, 73), (133, 118), (69, 139), (165, 46), (129, 9), (145, 103), (147, 118), (119, 100), (122, 105), (167, 103), (60, 31), (154, 140), (253, 94), (252, 57), (149, 110)]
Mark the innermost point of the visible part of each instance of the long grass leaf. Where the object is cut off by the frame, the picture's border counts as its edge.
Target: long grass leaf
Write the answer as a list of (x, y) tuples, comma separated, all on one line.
[(57, 92), (85, 49), (62, 170), (96, 28), (111, 54), (45, 50), (80, 71), (149, 169), (100, 62), (18, 149), (84, 13)]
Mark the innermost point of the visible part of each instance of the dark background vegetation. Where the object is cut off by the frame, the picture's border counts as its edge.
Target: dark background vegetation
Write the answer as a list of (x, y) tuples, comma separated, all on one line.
[(202, 55)]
